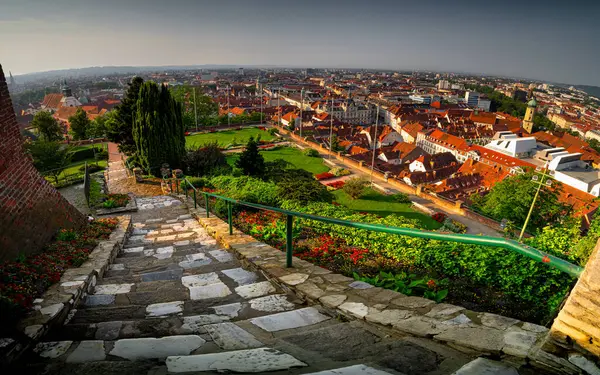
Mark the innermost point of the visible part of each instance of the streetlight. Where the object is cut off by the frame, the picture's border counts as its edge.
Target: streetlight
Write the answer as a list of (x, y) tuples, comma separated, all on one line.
[(374, 141), (540, 181)]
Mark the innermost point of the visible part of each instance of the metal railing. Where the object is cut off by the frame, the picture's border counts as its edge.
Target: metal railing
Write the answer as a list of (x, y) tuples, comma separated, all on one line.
[(500, 242)]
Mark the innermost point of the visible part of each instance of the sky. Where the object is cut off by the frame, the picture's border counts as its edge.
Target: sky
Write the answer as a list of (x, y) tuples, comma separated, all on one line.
[(548, 40)]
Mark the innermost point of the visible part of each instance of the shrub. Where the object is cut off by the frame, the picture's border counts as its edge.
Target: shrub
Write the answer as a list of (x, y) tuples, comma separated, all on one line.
[(116, 200), (247, 188), (339, 171), (454, 226), (102, 155), (83, 154), (355, 187), (302, 189), (273, 131), (91, 168), (205, 159), (439, 217), (401, 198), (336, 185), (324, 176), (197, 182), (310, 152)]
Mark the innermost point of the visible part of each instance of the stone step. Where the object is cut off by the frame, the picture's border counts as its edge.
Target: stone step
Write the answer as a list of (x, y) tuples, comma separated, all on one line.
[(486, 366), (352, 370), (259, 360), (107, 308)]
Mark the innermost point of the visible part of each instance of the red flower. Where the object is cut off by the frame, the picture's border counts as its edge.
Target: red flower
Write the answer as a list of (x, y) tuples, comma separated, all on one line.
[(546, 259), (431, 284)]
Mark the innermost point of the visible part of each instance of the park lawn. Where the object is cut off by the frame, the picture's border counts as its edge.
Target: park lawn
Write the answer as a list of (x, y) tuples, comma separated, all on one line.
[(73, 168), (99, 146), (292, 155), (225, 138), (376, 203)]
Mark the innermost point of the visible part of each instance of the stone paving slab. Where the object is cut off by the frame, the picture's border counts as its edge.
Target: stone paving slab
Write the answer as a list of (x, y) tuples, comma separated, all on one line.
[(289, 320), (147, 348), (244, 361), (229, 336), (352, 370)]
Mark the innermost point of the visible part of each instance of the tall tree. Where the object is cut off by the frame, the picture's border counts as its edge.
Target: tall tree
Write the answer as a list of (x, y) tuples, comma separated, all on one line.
[(80, 124), (251, 162), (98, 127), (47, 127), (120, 128), (158, 129)]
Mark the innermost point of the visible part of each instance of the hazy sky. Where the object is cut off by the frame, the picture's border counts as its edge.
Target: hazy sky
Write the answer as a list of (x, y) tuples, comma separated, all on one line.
[(554, 40)]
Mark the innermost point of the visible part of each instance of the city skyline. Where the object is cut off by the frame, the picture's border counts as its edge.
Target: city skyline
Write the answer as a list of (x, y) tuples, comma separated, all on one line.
[(545, 41)]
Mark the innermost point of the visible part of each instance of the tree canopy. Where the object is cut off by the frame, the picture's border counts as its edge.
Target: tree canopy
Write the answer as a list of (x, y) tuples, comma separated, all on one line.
[(251, 162), (80, 124), (49, 158), (120, 128), (47, 127), (158, 129)]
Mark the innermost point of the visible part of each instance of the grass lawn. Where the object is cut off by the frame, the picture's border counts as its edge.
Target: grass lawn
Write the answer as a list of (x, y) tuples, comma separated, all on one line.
[(290, 154), (99, 146), (225, 138), (383, 205)]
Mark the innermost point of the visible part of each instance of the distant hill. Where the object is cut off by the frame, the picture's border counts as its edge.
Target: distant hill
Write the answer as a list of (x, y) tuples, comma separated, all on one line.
[(108, 70), (591, 90)]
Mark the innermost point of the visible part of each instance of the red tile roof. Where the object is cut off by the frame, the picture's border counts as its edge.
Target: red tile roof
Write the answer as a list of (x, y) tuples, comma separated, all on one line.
[(448, 140), (499, 158), (52, 100)]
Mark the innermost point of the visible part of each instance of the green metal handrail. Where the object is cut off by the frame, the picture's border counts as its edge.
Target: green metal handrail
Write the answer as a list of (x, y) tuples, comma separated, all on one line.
[(507, 244)]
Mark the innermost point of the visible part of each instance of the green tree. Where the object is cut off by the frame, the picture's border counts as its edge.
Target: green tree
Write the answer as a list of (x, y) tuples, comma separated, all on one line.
[(335, 144), (47, 127), (98, 127), (355, 187), (206, 108), (80, 124), (205, 160), (120, 127), (158, 129), (49, 158), (251, 162), (511, 199)]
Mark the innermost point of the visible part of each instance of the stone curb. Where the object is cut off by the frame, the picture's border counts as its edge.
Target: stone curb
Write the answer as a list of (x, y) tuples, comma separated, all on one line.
[(130, 207), (517, 343), (55, 307)]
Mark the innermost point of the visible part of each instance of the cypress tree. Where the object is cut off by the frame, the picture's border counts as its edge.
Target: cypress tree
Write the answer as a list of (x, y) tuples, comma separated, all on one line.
[(251, 162), (158, 129)]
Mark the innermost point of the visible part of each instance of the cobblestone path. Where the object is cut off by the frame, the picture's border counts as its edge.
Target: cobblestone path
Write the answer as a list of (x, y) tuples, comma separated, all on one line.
[(174, 301)]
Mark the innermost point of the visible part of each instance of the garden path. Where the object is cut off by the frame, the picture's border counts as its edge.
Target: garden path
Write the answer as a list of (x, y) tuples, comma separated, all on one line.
[(119, 182), (174, 301)]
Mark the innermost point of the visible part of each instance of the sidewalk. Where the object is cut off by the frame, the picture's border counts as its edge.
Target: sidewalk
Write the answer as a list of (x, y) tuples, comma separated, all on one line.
[(119, 182)]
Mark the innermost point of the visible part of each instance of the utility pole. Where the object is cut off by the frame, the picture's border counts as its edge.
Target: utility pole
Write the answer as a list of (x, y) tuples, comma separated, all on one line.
[(301, 108), (279, 105), (195, 110), (543, 181), (374, 141), (261, 103), (228, 108)]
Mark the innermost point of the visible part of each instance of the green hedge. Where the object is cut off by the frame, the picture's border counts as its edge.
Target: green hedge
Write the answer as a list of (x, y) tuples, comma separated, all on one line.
[(83, 154), (508, 272)]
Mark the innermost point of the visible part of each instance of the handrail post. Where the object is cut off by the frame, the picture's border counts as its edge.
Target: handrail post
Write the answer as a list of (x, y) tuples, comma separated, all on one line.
[(206, 205), (185, 188), (230, 216), (288, 239), (195, 204), (177, 184)]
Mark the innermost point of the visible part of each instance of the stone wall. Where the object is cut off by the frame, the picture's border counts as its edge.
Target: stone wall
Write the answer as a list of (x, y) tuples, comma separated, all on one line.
[(31, 210), (577, 327)]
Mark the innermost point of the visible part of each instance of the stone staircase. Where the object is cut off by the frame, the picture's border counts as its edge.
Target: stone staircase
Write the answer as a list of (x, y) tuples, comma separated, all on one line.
[(174, 301)]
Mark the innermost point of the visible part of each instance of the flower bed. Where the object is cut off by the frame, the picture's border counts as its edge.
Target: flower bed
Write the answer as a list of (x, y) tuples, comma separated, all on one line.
[(324, 176), (27, 278), (336, 185), (439, 217), (115, 201)]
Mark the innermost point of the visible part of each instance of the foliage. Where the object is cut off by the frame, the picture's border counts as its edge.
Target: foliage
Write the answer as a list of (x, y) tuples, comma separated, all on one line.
[(335, 185), (401, 198), (47, 127), (83, 154), (251, 162), (454, 226), (79, 124), (310, 152), (205, 107), (511, 199), (522, 279), (273, 131), (115, 201), (98, 128), (91, 168), (408, 284), (204, 160), (119, 126), (335, 144), (158, 129), (28, 278), (299, 186), (248, 189), (355, 187), (197, 182), (227, 137), (50, 158), (440, 217), (339, 171)]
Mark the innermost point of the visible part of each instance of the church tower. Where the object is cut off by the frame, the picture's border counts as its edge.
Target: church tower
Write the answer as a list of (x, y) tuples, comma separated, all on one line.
[(528, 120), (12, 83)]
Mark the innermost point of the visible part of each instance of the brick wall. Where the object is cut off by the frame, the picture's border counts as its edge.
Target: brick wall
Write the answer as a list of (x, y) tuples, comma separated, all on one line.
[(31, 210)]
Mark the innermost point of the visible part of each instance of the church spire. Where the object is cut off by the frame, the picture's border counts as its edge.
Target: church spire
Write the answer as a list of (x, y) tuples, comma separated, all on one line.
[(12, 81)]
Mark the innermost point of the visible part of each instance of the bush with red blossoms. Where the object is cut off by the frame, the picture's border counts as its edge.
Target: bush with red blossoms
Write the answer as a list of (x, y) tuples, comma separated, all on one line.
[(324, 176), (336, 185), (439, 217), (29, 277)]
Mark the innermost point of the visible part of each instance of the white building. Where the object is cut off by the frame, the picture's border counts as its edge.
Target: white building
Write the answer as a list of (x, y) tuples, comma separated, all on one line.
[(472, 98), (571, 170), (443, 85), (510, 144)]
